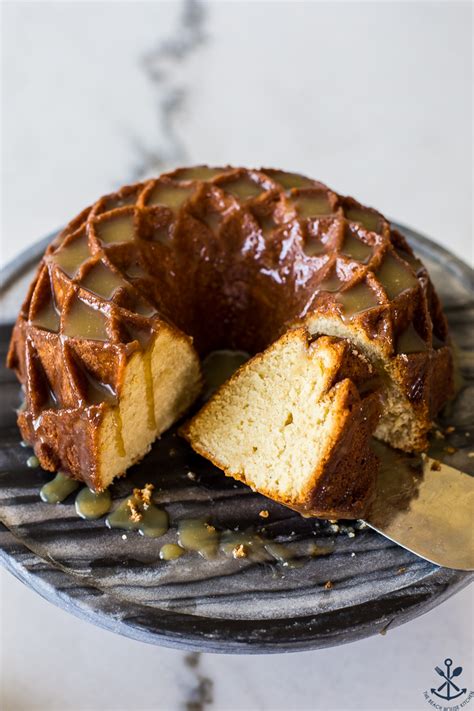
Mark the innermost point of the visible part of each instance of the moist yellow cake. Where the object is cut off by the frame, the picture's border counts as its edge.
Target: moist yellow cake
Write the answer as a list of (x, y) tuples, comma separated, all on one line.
[(294, 423)]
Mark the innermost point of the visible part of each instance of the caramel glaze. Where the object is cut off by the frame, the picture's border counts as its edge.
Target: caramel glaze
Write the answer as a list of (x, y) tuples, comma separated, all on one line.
[(91, 506), (199, 536), (230, 257), (152, 522), (58, 489)]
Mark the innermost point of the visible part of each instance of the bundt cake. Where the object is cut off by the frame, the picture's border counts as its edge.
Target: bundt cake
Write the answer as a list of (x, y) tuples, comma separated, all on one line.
[(295, 424), (146, 281)]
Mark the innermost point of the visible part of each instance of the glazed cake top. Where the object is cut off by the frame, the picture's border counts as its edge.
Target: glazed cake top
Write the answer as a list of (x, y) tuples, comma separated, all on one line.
[(230, 256)]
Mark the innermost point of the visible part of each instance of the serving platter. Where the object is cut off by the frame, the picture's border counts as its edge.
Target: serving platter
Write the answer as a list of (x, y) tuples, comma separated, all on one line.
[(116, 579)]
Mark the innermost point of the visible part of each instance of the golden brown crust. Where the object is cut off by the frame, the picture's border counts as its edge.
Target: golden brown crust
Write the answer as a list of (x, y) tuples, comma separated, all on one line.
[(347, 484), (67, 440)]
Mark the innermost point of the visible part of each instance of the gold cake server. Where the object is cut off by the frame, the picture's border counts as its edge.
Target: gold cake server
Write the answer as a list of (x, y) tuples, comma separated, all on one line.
[(420, 503), (425, 506)]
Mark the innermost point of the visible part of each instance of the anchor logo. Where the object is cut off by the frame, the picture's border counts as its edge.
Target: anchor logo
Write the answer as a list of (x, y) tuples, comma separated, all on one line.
[(448, 686)]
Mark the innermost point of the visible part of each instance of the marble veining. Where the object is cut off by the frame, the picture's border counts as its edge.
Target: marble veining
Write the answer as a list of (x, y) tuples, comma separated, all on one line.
[(162, 66)]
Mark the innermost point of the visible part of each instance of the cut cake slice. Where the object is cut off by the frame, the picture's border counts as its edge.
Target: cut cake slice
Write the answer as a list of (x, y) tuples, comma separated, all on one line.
[(295, 423)]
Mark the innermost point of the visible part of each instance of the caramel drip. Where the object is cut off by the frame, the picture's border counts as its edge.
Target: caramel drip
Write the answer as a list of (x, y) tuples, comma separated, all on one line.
[(367, 219), (199, 536), (413, 261), (82, 321), (200, 172), (91, 506), (150, 397), (170, 196), (356, 249), (195, 534), (47, 318), (171, 551), (312, 205), (121, 201), (58, 489), (151, 522), (357, 300), (102, 281), (242, 188), (290, 180), (395, 277), (257, 548), (252, 545), (98, 392), (331, 283), (119, 443), (72, 256), (119, 228)]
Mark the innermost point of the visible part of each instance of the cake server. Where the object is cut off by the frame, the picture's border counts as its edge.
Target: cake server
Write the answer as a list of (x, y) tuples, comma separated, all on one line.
[(425, 506)]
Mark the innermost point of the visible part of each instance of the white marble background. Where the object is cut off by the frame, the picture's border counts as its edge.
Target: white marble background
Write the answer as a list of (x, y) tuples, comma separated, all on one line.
[(372, 98)]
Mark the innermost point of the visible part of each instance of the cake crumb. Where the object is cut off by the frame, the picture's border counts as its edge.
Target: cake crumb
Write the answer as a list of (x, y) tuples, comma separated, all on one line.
[(401, 570), (143, 496), (263, 513), (449, 430), (146, 494), (439, 434), (210, 528), (334, 528), (124, 536), (192, 476), (239, 551), (353, 555), (470, 454), (328, 585), (435, 466), (134, 514), (351, 534)]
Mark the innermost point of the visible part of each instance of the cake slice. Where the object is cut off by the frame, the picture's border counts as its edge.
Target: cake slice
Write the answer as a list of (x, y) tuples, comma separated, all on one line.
[(295, 423), (107, 408), (159, 384)]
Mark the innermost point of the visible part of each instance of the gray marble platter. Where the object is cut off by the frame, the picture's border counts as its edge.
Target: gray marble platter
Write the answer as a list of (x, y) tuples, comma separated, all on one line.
[(223, 604)]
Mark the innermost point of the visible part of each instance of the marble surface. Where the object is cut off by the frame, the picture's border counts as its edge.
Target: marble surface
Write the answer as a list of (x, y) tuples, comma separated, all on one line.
[(373, 99)]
